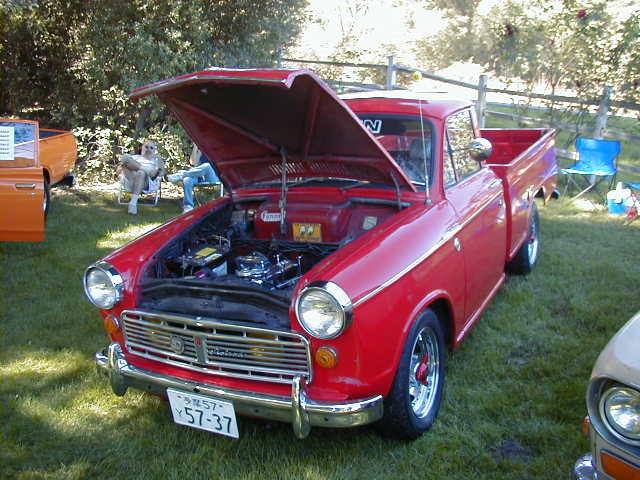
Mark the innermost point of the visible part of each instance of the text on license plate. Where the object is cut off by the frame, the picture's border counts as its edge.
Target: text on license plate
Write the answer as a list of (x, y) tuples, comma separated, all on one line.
[(205, 413)]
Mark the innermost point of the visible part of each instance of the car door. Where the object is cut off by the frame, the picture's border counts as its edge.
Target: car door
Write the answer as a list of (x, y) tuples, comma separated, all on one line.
[(22, 195), (475, 193)]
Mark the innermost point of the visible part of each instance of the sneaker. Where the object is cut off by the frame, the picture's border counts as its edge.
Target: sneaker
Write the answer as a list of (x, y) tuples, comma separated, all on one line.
[(133, 208), (175, 177), (186, 209)]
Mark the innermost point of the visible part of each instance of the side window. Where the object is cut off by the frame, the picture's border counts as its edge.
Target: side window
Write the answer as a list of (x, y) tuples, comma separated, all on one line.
[(449, 172), (459, 135), (17, 144)]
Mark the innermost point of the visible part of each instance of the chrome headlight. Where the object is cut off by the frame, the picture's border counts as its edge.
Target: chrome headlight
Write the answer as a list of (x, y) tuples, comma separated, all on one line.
[(324, 310), (620, 409), (103, 285)]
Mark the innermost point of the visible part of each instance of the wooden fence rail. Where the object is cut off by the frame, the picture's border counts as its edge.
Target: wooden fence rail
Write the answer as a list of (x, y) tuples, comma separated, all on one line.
[(604, 103)]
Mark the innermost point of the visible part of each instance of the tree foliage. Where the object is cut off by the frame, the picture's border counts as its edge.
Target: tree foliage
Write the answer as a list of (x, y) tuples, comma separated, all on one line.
[(71, 63), (577, 45)]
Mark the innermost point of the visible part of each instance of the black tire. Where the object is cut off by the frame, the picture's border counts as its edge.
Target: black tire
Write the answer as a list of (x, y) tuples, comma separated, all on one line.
[(527, 257), (414, 400), (46, 203)]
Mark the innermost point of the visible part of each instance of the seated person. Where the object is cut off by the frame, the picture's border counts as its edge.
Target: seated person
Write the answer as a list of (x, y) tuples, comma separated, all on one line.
[(139, 169), (200, 172)]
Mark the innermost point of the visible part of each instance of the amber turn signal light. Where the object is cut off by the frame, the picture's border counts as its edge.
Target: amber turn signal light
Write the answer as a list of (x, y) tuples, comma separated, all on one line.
[(618, 468), (326, 357), (112, 324), (586, 425)]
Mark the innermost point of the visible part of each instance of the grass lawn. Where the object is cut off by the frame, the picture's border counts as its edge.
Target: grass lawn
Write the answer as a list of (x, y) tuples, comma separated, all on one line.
[(514, 397)]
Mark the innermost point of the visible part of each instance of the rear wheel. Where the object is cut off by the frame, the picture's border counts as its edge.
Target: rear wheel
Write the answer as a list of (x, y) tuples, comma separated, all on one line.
[(414, 400), (529, 253), (47, 198)]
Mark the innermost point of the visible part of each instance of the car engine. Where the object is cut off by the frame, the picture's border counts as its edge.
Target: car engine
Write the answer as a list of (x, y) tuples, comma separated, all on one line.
[(236, 264)]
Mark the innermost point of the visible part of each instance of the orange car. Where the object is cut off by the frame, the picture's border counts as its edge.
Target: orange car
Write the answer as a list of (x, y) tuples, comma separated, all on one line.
[(31, 159)]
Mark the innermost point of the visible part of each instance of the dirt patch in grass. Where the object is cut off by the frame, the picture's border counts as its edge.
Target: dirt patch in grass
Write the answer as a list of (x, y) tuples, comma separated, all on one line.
[(512, 450)]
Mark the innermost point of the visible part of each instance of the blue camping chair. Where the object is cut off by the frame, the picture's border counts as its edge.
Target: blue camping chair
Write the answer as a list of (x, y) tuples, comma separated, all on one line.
[(596, 162)]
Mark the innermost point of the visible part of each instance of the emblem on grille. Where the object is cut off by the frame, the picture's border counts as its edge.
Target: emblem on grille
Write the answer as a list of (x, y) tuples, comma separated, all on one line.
[(177, 344)]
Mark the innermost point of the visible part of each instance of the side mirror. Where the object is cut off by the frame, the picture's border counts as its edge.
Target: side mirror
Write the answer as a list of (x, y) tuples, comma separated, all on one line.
[(480, 149)]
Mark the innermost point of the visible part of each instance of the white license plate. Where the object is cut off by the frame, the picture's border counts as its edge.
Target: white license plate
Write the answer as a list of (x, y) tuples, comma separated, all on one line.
[(205, 413)]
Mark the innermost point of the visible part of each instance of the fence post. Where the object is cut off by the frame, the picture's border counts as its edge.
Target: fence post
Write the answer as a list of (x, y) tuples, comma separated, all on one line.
[(391, 72), (279, 60), (481, 105), (603, 110)]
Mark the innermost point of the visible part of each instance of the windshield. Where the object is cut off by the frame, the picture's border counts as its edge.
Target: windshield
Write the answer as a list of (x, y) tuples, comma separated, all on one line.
[(407, 139)]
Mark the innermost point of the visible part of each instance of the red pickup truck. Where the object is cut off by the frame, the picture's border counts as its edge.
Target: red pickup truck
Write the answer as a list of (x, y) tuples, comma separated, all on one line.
[(361, 237)]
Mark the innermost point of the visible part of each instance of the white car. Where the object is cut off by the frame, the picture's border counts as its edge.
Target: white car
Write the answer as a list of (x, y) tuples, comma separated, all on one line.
[(613, 404)]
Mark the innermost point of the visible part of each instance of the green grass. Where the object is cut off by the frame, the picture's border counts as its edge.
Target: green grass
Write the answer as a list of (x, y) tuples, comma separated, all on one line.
[(514, 397)]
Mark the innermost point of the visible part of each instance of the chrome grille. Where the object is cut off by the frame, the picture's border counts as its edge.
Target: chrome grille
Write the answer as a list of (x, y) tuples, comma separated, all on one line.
[(210, 346)]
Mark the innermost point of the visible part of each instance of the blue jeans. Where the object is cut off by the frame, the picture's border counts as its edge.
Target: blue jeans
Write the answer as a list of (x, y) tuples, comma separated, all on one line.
[(203, 173)]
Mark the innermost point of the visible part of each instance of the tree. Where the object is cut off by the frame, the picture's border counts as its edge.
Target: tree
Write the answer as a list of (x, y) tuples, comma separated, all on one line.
[(71, 63), (577, 45)]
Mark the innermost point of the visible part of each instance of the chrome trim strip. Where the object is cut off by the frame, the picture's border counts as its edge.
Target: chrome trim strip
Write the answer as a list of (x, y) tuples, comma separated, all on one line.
[(448, 235), (297, 408)]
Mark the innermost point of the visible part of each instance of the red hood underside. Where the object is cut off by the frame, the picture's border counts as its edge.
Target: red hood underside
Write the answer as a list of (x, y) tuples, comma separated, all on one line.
[(244, 119)]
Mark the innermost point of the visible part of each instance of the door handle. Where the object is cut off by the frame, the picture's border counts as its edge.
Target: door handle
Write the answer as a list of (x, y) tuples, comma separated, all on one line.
[(26, 186)]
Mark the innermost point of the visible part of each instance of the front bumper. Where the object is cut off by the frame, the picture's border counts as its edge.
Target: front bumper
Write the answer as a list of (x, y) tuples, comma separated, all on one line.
[(297, 409)]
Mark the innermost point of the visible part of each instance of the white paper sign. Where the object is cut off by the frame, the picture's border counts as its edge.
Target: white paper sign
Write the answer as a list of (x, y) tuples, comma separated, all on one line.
[(7, 147)]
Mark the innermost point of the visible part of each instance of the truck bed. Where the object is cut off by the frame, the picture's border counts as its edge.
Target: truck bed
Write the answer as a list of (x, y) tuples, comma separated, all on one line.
[(525, 160), (58, 153)]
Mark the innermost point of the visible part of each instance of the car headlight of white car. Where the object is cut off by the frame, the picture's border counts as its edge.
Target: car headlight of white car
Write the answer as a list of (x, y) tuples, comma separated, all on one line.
[(103, 285), (620, 410), (324, 310)]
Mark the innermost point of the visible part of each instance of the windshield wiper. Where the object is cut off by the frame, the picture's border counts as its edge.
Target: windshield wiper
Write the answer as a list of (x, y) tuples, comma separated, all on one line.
[(358, 183)]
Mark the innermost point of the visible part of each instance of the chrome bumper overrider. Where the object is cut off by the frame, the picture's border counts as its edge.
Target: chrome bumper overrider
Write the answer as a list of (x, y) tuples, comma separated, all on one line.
[(297, 409), (584, 469)]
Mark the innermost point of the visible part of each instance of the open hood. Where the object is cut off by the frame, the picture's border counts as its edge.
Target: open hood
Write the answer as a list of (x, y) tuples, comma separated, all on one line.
[(246, 121)]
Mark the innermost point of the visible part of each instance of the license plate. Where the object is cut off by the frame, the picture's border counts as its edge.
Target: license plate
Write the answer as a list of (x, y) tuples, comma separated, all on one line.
[(205, 413)]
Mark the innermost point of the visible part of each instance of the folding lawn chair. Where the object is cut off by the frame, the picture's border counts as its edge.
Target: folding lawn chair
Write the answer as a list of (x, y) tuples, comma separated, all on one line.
[(596, 162), (150, 195)]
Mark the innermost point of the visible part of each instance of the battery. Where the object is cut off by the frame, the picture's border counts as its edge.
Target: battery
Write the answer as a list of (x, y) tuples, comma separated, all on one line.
[(212, 255)]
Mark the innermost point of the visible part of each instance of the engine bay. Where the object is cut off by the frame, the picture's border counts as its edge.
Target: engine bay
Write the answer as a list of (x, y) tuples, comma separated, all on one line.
[(244, 260)]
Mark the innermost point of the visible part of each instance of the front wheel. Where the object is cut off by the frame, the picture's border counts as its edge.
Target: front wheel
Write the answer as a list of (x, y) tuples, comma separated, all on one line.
[(529, 253), (414, 400)]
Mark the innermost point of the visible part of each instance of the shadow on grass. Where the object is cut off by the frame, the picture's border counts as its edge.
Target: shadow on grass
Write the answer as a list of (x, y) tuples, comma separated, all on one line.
[(513, 403)]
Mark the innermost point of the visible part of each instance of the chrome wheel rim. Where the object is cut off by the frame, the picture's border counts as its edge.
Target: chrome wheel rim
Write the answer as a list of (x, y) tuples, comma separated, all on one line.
[(534, 242), (424, 372)]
